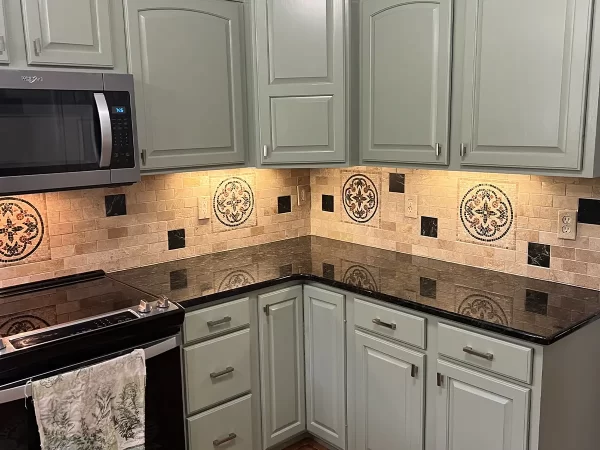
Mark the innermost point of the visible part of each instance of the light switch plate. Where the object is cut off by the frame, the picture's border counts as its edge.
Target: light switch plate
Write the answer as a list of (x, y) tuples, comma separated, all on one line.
[(567, 224), (410, 206), (203, 208)]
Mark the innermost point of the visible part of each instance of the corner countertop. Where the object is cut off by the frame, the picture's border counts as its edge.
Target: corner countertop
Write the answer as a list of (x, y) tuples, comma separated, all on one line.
[(537, 311)]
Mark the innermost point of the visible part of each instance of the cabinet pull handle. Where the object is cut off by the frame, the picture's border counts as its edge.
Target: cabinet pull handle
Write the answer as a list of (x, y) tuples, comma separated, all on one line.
[(214, 375), (413, 371), (440, 379), (265, 150), (144, 156), (463, 149), (266, 310), (438, 149), (214, 323), (230, 437), (470, 351), (37, 46), (391, 326), (2, 45)]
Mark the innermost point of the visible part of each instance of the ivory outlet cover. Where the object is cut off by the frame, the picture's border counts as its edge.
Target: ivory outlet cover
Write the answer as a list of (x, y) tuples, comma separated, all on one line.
[(567, 225), (410, 206), (203, 208)]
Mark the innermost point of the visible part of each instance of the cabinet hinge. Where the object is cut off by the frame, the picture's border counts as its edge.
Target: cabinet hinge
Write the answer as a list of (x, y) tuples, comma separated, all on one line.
[(440, 379), (266, 310), (414, 370)]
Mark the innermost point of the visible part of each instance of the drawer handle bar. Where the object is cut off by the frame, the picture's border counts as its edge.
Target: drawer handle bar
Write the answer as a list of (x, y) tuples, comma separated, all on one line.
[(214, 375), (230, 437), (470, 351), (214, 323), (391, 326)]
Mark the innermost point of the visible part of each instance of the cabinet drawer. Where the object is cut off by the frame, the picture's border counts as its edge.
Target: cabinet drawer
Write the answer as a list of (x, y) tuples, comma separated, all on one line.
[(505, 358), (216, 319), (227, 426), (389, 322), (217, 370)]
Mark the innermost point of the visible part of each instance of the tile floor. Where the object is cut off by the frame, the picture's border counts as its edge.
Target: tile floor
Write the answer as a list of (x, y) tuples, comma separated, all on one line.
[(306, 444)]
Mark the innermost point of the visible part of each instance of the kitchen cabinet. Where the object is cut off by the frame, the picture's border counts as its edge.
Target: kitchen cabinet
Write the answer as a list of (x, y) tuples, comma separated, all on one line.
[(68, 32), (325, 365), (300, 81), (281, 344), (389, 402), (476, 411), (521, 71), (3, 47), (405, 81), (187, 60)]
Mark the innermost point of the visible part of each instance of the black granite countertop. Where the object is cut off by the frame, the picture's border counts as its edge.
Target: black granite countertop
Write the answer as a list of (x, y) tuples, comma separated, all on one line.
[(534, 310)]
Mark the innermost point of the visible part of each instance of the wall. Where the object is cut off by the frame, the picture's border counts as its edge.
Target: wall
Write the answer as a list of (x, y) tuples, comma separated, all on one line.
[(519, 235), (62, 233)]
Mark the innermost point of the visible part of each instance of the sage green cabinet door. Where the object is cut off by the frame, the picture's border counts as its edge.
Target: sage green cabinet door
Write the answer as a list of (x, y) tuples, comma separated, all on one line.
[(521, 82), (68, 32), (3, 46), (301, 99), (185, 56), (405, 80)]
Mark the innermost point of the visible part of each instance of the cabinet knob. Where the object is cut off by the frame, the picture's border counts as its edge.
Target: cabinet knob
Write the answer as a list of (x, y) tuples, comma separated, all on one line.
[(265, 150), (463, 149), (37, 46), (438, 149), (2, 45), (144, 156)]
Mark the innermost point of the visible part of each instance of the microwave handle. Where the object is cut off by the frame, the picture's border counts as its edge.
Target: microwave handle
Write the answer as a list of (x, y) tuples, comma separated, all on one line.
[(105, 130)]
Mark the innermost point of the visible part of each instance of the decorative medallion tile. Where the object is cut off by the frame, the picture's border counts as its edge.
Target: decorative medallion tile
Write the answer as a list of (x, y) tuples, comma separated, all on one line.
[(360, 198), (484, 305), (486, 212), (23, 234), (361, 275), (233, 202), (227, 280)]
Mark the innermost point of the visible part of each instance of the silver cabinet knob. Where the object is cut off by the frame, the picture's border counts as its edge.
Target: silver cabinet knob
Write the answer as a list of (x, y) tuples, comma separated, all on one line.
[(163, 301), (145, 307)]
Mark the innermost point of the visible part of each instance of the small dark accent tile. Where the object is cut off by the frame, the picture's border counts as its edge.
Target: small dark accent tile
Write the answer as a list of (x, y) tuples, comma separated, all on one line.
[(429, 226), (329, 271), (284, 204), (427, 287), (538, 255), (285, 271), (536, 302), (397, 182), (116, 205), (589, 211), (178, 279), (176, 239), (327, 203)]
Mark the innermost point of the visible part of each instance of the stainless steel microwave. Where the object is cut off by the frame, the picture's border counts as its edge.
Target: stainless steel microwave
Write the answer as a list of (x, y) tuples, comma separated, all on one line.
[(66, 130)]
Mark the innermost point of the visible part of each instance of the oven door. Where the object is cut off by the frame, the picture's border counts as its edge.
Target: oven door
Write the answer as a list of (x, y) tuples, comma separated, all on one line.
[(165, 421)]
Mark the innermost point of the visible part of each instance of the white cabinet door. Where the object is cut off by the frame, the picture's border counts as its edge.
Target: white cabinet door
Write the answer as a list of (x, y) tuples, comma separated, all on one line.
[(521, 77), (3, 39), (186, 59), (476, 411), (281, 365), (301, 97), (68, 32), (325, 348), (389, 404)]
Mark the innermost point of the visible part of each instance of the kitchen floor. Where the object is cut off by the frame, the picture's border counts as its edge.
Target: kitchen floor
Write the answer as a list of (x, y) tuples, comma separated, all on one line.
[(306, 444)]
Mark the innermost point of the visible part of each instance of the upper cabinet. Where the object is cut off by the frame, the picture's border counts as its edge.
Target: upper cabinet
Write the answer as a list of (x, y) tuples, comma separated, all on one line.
[(3, 47), (68, 32), (301, 89), (405, 81), (187, 61), (521, 70)]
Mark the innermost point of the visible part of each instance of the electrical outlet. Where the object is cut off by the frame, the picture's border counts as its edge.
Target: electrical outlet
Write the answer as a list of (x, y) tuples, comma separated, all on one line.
[(567, 225), (203, 208), (410, 206), (303, 193)]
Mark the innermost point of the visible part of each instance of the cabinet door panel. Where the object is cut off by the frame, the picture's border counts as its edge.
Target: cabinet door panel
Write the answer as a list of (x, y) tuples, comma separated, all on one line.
[(3, 39), (301, 80), (68, 32), (185, 56), (524, 76), (475, 411), (389, 395), (325, 365), (282, 365), (405, 85)]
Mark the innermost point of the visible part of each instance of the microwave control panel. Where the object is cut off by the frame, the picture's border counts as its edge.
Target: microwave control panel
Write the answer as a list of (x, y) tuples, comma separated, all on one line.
[(123, 154)]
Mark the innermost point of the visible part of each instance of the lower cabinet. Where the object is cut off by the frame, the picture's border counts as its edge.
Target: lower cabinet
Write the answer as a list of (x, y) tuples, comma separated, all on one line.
[(389, 407), (477, 411)]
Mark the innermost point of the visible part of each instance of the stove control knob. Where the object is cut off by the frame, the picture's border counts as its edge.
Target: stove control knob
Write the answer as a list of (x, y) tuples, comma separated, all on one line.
[(145, 307), (163, 302)]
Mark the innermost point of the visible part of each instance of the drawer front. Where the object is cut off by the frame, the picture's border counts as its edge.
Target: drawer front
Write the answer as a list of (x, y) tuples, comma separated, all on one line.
[(216, 319), (505, 358), (228, 426), (389, 322), (217, 370)]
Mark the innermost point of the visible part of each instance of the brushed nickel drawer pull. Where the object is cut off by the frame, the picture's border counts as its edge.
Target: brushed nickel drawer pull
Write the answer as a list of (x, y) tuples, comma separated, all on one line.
[(230, 437), (2, 45), (214, 375), (214, 323), (37, 46), (470, 351), (391, 326)]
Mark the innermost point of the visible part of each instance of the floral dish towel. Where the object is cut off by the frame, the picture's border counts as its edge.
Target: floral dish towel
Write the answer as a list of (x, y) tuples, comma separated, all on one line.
[(99, 407)]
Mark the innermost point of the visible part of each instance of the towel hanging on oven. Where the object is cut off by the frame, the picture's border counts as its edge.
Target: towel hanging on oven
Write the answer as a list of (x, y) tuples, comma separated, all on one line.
[(97, 407)]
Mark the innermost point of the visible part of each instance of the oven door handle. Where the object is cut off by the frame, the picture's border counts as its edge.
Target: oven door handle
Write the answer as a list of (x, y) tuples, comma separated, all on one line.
[(105, 130), (23, 390)]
